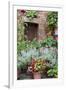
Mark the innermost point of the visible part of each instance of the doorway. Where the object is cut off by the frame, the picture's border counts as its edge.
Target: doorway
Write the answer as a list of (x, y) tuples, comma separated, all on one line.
[(31, 30)]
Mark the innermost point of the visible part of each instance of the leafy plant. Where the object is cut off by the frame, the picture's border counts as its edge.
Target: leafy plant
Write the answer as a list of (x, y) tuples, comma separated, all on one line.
[(25, 56), (22, 61), (51, 55), (26, 45), (31, 14), (21, 46), (53, 72), (35, 44), (20, 33), (19, 65), (49, 42), (38, 65), (52, 20)]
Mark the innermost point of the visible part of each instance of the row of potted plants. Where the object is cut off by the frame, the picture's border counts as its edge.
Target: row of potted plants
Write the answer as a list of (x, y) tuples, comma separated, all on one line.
[(37, 67)]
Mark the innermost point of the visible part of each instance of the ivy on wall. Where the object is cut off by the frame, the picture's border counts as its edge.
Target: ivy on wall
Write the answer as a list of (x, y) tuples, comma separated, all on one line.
[(52, 19)]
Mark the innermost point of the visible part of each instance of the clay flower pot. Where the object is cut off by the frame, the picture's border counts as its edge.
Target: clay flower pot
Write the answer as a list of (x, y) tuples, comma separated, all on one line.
[(37, 75)]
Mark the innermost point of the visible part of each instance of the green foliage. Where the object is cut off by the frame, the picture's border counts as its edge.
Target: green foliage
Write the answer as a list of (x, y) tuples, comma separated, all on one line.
[(25, 56), (53, 72), (20, 34), (39, 65), (20, 29), (52, 20), (22, 61), (19, 65), (35, 44), (21, 46), (49, 42), (31, 14), (25, 45), (51, 55), (30, 49)]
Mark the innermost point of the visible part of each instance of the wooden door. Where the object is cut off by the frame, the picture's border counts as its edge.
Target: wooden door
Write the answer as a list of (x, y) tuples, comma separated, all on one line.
[(31, 31)]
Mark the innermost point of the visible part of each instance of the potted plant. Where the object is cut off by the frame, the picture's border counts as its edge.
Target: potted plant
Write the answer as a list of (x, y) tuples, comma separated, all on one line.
[(38, 67)]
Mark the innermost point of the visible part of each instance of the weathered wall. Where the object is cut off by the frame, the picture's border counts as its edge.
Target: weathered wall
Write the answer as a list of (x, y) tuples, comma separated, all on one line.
[(40, 20), (42, 25)]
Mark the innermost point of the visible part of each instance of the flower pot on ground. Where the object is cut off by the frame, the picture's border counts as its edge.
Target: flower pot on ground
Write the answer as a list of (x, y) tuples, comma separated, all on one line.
[(38, 67), (37, 75)]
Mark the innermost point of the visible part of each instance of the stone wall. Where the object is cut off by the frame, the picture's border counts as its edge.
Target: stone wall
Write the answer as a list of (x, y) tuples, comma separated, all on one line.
[(42, 25), (40, 20)]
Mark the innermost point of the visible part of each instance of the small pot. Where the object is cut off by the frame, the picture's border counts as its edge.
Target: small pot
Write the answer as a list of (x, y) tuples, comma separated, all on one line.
[(37, 75)]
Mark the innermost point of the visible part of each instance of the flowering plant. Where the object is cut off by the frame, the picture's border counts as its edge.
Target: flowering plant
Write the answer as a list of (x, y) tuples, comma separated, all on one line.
[(38, 65)]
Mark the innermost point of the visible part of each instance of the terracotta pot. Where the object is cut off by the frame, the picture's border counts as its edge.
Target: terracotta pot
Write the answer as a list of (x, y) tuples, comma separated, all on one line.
[(37, 75)]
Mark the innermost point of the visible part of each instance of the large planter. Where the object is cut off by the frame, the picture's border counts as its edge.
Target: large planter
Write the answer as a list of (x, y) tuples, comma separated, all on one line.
[(37, 75)]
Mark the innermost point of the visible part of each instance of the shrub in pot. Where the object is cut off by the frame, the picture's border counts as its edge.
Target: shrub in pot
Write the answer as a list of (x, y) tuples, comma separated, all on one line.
[(38, 67)]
